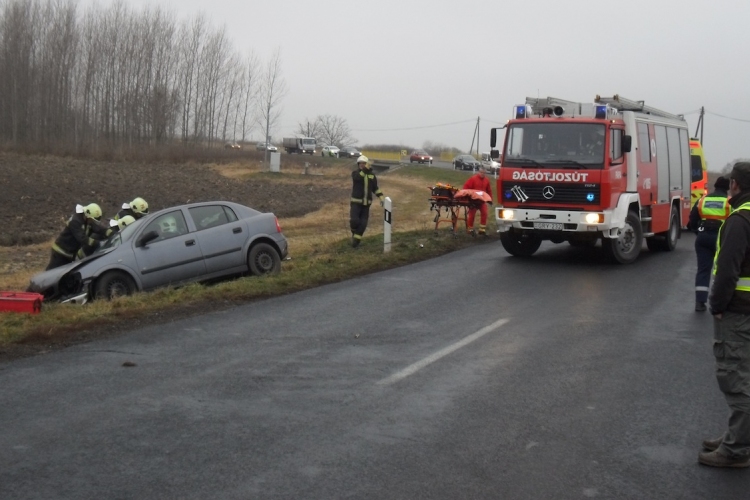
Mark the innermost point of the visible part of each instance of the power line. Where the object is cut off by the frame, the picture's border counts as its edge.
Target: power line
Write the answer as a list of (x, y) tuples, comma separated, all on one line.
[(717, 114), (410, 128)]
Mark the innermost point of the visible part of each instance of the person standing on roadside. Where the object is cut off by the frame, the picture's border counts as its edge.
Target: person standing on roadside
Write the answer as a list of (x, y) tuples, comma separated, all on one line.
[(81, 236), (478, 182), (706, 217), (364, 185), (729, 301)]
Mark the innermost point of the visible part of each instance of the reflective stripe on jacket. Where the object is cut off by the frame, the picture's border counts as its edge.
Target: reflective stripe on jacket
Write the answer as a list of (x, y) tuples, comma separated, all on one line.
[(364, 185), (713, 208), (743, 282)]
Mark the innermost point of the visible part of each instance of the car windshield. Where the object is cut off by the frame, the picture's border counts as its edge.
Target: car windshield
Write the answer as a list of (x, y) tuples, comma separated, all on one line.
[(117, 238), (556, 145)]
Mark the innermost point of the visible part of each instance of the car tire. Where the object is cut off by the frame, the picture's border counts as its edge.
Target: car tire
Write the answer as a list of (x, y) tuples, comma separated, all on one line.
[(263, 259), (114, 284), (627, 246)]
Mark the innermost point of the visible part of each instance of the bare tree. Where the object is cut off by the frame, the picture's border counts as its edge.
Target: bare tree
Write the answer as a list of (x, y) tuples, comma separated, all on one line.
[(335, 130), (271, 91), (248, 95), (309, 128)]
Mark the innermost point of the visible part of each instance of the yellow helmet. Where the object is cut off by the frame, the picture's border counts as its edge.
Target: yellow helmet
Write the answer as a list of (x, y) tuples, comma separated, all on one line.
[(363, 159), (128, 219), (139, 206), (92, 211)]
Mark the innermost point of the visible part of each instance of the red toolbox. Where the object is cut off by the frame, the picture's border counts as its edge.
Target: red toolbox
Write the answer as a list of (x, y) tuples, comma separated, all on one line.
[(22, 302)]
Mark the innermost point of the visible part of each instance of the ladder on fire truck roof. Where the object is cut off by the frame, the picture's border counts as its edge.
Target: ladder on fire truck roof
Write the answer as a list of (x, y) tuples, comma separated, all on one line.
[(623, 104), (539, 103)]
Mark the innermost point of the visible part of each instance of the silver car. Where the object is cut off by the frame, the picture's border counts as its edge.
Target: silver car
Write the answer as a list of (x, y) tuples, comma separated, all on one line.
[(174, 246)]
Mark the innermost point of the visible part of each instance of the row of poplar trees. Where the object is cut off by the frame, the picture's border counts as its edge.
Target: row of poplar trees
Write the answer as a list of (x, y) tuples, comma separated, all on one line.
[(112, 76)]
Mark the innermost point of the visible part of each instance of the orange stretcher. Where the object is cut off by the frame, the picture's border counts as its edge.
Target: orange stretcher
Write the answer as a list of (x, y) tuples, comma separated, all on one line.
[(454, 202)]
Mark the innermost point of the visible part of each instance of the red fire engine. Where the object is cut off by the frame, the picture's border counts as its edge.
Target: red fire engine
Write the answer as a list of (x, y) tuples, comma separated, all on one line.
[(613, 170)]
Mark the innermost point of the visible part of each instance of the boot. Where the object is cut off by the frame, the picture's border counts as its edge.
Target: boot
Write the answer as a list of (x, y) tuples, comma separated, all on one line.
[(700, 306), (716, 459), (712, 444)]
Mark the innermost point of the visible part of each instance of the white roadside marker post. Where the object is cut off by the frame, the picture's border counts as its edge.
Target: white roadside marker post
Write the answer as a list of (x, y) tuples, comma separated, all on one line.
[(388, 206)]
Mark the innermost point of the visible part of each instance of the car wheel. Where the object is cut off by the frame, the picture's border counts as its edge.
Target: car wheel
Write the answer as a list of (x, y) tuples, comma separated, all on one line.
[(114, 284), (263, 259)]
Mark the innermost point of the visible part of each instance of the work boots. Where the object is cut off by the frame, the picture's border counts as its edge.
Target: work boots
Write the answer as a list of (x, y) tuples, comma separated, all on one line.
[(700, 306), (716, 459)]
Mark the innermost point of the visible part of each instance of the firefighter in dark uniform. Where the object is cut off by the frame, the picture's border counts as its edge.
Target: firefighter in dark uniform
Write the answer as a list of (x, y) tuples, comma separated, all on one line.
[(706, 217), (136, 209), (80, 237), (364, 185)]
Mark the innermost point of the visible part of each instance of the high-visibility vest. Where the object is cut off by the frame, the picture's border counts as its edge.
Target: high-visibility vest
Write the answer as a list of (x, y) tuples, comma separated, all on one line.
[(713, 208), (743, 283)]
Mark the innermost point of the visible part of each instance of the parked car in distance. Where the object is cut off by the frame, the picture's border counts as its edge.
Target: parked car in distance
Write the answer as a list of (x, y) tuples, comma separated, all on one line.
[(465, 162), (492, 166), (329, 151), (177, 245), (350, 152), (420, 156), (266, 146), (232, 145)]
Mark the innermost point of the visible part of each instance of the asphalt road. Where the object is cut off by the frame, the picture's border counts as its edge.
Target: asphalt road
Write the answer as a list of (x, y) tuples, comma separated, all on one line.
[(474, 375)]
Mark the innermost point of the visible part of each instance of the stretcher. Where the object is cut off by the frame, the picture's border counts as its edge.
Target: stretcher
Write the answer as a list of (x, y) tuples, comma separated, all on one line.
[(453, 202)]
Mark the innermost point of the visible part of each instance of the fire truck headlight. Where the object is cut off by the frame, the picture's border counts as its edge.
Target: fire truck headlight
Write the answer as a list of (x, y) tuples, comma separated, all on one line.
[(593, 218), (507, 214)]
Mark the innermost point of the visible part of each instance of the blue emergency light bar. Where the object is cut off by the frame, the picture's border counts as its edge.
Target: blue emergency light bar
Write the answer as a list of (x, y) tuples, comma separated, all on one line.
[(522, 111), (601, 111)]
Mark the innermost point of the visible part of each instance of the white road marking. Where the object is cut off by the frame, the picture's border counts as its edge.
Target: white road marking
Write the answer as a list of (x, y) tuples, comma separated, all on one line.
[(412, 369)]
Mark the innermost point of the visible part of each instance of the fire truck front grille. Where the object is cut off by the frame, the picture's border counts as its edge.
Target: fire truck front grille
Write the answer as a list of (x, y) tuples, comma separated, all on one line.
[(552, 193)]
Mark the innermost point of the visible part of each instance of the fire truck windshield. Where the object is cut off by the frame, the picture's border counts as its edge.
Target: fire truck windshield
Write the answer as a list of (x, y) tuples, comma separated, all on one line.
[(558, 144)]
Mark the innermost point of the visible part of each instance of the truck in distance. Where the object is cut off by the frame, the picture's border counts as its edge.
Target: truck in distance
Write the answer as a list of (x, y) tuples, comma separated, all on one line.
[(299, 145)]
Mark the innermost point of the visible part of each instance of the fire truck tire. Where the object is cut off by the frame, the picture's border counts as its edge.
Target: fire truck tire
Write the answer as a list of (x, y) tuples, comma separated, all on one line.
[(627, 246), (666, 241), (520, 244)]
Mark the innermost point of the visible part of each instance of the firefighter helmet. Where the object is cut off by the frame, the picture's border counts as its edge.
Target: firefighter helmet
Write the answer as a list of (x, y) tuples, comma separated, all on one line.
[(125, 221), (92, 211), (139, 206), (362, 159)]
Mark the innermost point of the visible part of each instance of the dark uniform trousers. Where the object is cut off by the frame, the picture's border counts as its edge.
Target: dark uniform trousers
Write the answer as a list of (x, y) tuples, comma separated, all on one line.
[(359, 215), (705, 249)]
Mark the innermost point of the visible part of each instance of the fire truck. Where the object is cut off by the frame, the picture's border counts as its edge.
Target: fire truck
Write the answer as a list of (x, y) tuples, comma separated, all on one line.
[(613, 170)]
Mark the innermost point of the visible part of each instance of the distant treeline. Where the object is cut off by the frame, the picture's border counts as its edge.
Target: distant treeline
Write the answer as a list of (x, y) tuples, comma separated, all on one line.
[(115, 77), (432, 148)]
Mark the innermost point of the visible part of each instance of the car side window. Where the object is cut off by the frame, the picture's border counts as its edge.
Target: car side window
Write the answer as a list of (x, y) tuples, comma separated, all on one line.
[(231, 216), (168, 225), (208, 216)]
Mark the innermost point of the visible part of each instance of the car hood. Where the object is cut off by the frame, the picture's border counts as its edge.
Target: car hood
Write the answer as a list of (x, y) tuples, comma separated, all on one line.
[(46, 279)]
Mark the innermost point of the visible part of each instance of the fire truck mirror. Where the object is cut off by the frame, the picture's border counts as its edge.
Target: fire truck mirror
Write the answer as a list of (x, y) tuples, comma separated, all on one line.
[(493, 137), (627, 143), (494, 154)]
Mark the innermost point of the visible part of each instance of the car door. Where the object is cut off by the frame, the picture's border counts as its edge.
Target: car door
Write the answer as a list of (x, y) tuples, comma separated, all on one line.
[(173, 257), (221, 236)]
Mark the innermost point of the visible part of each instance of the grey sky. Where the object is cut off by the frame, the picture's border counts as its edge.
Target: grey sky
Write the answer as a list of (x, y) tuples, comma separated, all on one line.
[(409, 64)]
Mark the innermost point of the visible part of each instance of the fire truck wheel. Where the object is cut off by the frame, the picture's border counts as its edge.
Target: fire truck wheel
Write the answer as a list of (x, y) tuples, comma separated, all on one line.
[(666, 241), (627, 246), (520, 244)]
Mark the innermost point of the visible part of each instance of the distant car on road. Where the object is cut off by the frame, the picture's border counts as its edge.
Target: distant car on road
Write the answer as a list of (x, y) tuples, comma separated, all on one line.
[(465, 162), (178, 245), (350, 152), (232, 145), (492, 166), (330, 151), (420, 156), (266, 146)]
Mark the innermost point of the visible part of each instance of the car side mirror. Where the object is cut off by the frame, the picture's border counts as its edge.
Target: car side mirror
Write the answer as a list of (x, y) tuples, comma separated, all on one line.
[(146, 238), (627, 143), (494, 153), (493, 137)]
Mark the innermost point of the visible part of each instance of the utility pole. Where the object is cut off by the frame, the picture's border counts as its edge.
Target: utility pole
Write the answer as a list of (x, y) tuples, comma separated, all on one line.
[(700, 125), (475, 136)]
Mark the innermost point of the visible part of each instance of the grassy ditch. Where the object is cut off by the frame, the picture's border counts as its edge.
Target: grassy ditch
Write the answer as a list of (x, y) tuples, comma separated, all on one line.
[(320, 253)]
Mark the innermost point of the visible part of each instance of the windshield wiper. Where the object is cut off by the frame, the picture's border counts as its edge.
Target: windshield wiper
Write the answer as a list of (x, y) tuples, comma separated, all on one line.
[(527, 160), (571, 163)]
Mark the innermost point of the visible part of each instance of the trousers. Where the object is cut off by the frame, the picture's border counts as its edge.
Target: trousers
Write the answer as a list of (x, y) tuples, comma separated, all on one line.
[(482, 216), (359, 215), (705, 249), (732, 353)]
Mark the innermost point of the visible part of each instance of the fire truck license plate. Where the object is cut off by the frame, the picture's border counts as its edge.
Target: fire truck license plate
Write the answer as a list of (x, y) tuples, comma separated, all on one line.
[(555, 226)]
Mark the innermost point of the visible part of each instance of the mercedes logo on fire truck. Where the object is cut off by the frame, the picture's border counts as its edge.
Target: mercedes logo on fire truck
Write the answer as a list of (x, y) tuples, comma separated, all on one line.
[(548, 192)]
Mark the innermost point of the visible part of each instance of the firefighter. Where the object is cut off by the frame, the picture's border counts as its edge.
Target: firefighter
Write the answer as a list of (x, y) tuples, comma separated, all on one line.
[(729, 302), (478, 182), (81, 236), (364, 185), (119, 224), (136, 209), (706, 217)]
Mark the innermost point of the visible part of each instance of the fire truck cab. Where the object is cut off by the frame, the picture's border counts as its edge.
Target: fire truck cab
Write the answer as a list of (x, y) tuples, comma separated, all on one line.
[(613, 170)]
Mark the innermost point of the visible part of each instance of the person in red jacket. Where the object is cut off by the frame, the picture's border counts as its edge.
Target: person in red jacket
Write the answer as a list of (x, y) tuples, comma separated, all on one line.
[(479, 182)]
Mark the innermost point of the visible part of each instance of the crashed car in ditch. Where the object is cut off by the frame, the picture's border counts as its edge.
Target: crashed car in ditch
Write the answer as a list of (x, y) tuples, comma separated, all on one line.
[(175, 246)]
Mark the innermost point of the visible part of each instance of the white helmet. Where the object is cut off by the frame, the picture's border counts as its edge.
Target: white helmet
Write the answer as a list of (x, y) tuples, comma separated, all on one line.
[(362, 159), (168, 225)]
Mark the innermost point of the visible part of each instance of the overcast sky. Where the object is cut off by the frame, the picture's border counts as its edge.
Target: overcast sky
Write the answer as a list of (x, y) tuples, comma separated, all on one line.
[(399, 71)]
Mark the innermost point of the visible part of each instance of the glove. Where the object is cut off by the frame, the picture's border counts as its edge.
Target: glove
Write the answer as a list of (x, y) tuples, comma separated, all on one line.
[(489, 203), (382, 203)]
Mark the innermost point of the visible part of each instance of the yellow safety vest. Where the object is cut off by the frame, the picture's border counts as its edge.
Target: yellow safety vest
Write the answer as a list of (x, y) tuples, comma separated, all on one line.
[(743, 283)]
